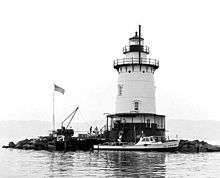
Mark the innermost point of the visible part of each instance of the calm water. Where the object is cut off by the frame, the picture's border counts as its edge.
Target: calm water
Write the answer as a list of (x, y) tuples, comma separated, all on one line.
[(22, 163)]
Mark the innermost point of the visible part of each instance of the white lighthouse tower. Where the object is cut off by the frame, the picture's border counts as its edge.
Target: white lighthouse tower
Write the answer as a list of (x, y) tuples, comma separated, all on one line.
[(135, 103)]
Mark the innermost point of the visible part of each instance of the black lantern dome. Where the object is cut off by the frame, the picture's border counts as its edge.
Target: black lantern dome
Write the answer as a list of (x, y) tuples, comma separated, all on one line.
[(136, 44)]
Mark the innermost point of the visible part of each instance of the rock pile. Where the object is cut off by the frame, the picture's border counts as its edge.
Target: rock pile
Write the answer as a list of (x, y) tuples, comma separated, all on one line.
[(195, 146), (48, 143), (41, 143)]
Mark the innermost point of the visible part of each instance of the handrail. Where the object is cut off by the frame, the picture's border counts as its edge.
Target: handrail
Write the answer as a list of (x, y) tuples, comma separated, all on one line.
[(127, 61)]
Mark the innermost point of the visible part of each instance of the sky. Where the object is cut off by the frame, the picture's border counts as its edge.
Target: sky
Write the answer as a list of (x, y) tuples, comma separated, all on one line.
[(74, 43)]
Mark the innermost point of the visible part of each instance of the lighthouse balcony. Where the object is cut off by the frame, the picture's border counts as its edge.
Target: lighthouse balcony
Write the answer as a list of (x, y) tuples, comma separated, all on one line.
[(136, 61), (136, 48)]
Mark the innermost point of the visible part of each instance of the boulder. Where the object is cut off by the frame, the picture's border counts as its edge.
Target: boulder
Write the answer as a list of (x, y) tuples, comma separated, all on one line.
[(188, 146), (11, 145), (212, 148), (51, 147), (4, 146), (40, 145), (21, 143), (27, 146)]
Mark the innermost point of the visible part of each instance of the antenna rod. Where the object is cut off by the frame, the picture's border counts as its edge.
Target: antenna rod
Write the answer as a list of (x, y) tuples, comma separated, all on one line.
[(139, 52), (139, 44)]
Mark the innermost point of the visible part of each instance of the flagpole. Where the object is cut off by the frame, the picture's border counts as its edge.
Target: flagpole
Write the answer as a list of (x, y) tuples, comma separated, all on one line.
[(53, 111), (58, 89)]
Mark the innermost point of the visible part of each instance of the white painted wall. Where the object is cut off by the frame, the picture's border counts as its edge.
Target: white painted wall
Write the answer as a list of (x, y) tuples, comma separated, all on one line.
[(136, 86)]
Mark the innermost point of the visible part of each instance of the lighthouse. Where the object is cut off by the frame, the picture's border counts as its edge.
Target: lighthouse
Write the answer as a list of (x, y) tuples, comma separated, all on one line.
[(135, 107)]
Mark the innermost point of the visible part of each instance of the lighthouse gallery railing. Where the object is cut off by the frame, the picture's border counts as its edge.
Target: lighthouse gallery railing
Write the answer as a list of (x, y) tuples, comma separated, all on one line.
[(128, 61)]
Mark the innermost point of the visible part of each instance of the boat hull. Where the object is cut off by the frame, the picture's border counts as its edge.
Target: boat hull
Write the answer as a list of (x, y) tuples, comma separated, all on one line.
[(163, 147)]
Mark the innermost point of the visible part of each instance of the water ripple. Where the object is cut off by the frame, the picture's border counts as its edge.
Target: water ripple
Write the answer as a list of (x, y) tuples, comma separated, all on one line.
[(23, 163)]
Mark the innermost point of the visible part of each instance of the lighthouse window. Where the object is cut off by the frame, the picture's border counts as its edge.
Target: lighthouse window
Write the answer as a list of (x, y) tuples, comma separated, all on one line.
[(134, 42), (120, 90), (136, 106)]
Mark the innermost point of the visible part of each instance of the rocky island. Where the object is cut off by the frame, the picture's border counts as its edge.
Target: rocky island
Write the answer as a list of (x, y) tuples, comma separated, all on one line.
[(47, 143)]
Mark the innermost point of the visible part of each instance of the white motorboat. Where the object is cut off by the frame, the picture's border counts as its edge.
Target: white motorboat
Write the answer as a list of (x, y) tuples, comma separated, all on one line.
[(144, 144)]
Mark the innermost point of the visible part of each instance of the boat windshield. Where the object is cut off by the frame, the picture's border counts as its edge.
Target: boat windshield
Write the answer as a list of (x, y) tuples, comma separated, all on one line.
[(146, 139)]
